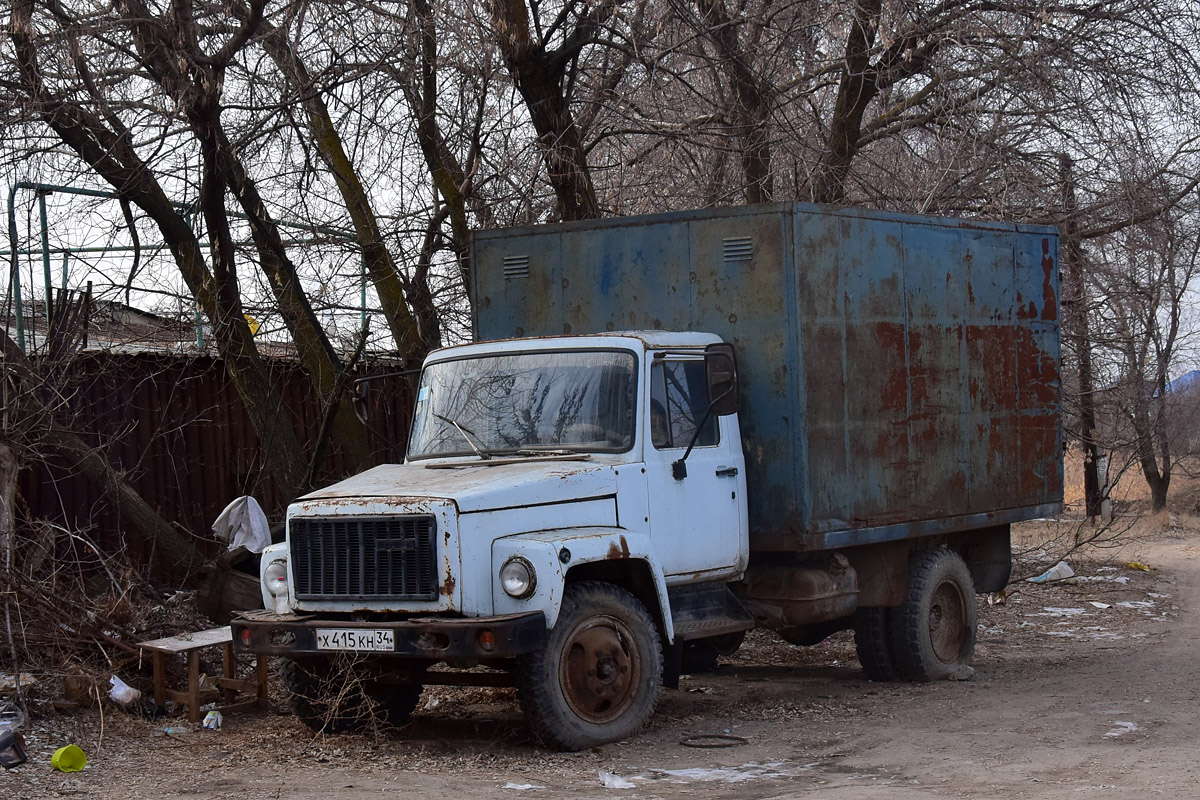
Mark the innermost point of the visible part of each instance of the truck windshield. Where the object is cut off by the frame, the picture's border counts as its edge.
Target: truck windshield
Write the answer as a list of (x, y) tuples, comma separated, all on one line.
[(564, 400)]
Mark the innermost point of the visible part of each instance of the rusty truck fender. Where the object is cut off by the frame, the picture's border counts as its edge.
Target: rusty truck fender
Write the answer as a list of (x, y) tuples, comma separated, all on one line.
[(554, 553)]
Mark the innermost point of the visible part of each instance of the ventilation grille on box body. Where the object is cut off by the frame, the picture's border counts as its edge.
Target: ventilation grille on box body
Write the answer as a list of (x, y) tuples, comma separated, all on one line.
[(516, 267), (738, 248)]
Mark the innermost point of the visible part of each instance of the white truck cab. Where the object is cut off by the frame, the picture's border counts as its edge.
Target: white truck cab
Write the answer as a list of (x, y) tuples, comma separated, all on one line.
[(556, 495)]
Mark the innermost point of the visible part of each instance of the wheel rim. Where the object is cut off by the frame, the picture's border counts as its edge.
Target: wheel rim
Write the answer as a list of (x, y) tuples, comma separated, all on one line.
[(948, 622), (600, 669)]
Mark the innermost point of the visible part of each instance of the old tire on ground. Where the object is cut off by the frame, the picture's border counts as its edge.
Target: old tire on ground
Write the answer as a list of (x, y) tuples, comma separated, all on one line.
[(596, 680), (872, 641), (933, 630), (700, 655), (330, 699)]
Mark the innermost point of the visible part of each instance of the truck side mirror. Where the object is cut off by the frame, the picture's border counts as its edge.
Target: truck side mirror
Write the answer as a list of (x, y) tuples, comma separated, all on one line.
[(720, 367)]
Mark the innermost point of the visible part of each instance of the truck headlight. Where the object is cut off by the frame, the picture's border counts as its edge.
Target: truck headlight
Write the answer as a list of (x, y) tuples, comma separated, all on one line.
[(518, 578), (275, 578)]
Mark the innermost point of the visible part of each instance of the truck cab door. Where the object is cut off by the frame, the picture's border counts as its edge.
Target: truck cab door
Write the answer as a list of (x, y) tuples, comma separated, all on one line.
[(698, 523)]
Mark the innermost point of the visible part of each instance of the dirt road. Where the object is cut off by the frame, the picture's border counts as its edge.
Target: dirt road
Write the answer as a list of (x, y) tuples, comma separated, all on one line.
[(1070, 697)]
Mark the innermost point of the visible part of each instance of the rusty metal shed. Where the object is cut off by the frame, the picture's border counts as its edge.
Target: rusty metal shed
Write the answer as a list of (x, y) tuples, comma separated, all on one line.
[(900, 372)]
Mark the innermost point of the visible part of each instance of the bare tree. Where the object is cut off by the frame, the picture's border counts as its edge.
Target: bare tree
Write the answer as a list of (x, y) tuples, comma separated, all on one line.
[(1145, 275)]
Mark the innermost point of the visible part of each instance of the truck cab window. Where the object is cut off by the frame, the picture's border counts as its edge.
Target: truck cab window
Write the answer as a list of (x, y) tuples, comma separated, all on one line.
[(578, 400), (678, 400)]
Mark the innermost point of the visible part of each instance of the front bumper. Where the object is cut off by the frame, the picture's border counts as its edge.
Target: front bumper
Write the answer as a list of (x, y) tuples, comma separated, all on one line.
[(267, 633)]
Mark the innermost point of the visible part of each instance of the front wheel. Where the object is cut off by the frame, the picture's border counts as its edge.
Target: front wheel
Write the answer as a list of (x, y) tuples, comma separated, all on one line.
[(933, 631), (596, 680)]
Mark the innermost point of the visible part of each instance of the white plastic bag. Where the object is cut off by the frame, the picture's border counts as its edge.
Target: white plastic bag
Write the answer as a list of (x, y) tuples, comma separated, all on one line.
[(1060, 571), (611, 780), (243, 524), (121, 692)]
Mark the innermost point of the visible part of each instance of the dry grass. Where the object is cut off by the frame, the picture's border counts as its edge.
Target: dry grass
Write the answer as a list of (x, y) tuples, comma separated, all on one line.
[(1131, 488)]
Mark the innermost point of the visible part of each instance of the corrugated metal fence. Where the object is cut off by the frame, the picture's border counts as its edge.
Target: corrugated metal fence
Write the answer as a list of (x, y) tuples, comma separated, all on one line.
[(177, 428)]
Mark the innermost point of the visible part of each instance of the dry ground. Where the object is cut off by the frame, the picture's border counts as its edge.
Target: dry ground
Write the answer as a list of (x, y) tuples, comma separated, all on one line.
[(1069, 697)]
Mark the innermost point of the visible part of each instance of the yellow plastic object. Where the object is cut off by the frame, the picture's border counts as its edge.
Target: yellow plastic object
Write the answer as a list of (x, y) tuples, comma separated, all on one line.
[(68, 759), (1139, 565)]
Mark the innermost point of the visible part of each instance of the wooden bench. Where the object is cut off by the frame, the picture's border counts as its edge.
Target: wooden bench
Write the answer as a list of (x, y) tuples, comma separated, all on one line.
[(228, 685)]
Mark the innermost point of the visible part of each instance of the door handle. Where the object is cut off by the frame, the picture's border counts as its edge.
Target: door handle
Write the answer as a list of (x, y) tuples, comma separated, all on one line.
[(727, 472)]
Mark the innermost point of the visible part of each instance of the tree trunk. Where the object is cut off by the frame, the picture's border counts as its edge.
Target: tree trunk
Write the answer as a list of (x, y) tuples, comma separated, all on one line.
[(9, 467), (538, 76), (856, 90), (1077, 330), (752, 101), (1158, 486), (448, 175), (382, 270), (109, 152), (312, 345)]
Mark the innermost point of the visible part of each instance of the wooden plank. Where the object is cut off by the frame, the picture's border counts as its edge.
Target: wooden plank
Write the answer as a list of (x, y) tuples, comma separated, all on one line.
[(193, 689), (160, 684), (189, 641)]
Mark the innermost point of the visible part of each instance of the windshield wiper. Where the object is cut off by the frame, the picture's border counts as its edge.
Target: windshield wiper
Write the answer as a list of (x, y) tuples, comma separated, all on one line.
[(468, 436)]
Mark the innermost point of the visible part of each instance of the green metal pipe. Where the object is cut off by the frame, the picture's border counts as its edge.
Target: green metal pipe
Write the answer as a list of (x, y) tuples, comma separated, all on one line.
[(14, 275), (44, 189), (46, 256)]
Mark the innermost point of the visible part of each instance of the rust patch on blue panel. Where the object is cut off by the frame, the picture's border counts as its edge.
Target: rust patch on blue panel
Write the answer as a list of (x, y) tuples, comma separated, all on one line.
[(1049, 296), (894, 387)]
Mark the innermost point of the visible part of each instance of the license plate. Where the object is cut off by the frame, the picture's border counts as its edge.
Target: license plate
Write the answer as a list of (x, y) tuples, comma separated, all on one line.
[(355, 639)]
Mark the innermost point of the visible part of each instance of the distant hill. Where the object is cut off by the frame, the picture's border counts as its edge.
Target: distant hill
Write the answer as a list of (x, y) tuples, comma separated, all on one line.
[(1185, 382)]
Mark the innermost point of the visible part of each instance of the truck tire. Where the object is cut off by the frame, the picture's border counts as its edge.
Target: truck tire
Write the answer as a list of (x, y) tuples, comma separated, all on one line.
[(331, 700), (596, 680), (872, 641), (933, 630), (701, 655)]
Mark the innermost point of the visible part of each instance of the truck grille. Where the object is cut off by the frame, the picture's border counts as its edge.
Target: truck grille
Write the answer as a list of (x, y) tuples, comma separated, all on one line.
[(365, 559)]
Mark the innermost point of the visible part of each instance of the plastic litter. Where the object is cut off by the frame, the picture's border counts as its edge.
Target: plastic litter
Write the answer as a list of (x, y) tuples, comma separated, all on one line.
[(242, 523), (1139, 566), (1098, 604), (12, 743), (121, 692), (68, 759), (613, 781), (213, 720), (746, 773), (1120, 728), (11, 718), (520, 787), (175, 730), (1060, 571), (9, 682), (12, 749)]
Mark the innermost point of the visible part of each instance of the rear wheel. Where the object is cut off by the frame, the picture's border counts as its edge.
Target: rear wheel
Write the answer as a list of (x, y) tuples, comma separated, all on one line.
[(871, 640), (933, 630), (597, 678), (701, 655), (333, 698)]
